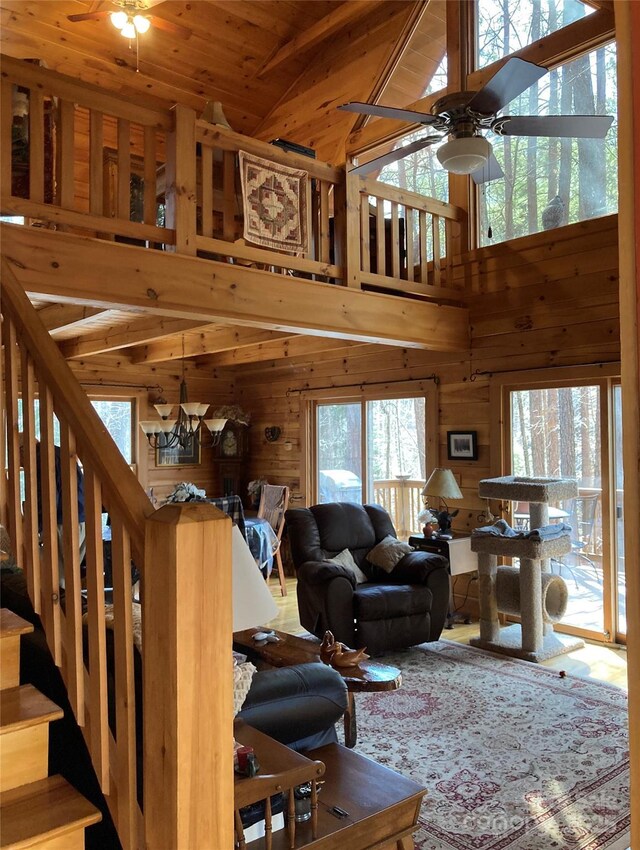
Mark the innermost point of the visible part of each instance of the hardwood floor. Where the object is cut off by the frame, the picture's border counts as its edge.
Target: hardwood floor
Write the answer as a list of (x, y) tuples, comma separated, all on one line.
[(596, 661)]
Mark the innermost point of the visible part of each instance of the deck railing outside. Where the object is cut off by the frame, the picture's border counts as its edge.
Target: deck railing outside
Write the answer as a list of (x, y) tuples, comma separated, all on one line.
[(401, 498)]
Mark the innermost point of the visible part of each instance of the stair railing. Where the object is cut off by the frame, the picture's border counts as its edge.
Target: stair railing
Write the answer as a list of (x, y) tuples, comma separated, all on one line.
[(187, 729)]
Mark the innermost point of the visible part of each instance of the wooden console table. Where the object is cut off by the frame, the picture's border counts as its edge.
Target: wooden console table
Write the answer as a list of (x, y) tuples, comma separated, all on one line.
[(367, 677), (361, 805)]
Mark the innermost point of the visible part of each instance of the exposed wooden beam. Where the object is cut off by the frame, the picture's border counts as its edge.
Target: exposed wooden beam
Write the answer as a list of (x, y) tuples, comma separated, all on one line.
[(61, 317), (318, 32), (579, 37), (138, 332), (76, 269), (208, 342), (278, 350)]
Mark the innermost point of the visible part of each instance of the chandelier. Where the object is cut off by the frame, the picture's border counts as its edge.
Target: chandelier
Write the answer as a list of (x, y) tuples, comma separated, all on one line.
[(189, 427)]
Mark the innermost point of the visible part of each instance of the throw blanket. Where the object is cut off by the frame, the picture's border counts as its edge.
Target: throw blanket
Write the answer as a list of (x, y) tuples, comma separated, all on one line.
[(275, 204), (501, 528)]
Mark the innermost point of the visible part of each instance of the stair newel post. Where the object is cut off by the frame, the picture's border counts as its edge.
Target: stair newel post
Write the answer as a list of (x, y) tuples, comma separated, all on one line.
[(188, 716), (181, 200)]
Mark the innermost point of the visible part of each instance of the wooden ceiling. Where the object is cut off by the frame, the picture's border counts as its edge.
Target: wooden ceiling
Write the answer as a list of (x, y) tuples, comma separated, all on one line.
[(279, 67)]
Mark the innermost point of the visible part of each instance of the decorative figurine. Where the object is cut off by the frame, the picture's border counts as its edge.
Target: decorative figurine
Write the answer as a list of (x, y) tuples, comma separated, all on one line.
[(338, 655)]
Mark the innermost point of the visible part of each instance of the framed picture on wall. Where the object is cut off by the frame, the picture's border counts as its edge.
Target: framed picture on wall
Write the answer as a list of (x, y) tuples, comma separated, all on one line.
[(462, 445), (178, 456)]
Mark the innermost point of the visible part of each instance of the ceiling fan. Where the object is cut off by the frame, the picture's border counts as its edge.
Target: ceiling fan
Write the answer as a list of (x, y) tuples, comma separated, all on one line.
[(463, 115), (132, 18)]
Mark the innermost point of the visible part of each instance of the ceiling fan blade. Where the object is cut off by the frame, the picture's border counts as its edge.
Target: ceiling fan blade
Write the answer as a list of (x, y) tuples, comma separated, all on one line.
[(512, 79), (149, 4), (559, 126), (170, 27), (390, 112), (88, 16), (393, 156), (490, 171)]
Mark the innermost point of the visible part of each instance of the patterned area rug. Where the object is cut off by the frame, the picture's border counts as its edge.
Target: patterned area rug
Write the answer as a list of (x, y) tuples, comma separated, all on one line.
[(275, 204), (514, 756)]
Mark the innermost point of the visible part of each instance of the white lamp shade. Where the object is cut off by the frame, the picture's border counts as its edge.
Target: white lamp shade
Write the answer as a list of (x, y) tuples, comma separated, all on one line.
[(141, 23), (253, 604), (215, 425), (190, 407), (150, 426), (202, 409), (128, 30), (164, 410), (465, 155), (119, 19), (441, 483)]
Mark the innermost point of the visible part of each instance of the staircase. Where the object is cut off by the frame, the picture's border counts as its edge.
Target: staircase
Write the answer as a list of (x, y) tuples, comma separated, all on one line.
[(36, 810)]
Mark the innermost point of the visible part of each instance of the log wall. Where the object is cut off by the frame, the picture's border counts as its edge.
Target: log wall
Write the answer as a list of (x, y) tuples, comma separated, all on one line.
[(547, 300)]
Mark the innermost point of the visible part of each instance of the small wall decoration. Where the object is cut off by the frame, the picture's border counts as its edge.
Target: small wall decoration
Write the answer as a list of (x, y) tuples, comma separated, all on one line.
[(462, 445), (179, 456)]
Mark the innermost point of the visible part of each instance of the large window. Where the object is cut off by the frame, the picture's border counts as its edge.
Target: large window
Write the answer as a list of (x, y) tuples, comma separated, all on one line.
[(372, 450), (550, 182)]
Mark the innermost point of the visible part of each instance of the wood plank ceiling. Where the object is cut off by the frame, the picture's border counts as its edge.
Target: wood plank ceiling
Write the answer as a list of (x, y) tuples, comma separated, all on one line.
[(279, 67)]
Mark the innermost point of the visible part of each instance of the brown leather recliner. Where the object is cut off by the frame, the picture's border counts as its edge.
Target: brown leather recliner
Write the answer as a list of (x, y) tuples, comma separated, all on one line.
[(392, 610)]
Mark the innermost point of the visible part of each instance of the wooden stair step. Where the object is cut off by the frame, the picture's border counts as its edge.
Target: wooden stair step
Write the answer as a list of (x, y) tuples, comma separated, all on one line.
[(25, 715), (48, 813), (11, 627)]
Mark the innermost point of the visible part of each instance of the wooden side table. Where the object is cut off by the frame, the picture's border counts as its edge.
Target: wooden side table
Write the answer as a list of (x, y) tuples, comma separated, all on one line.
[(457, 551), (367, 677)]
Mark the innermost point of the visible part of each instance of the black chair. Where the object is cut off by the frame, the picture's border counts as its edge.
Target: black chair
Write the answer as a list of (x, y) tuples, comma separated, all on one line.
[(391, 610)]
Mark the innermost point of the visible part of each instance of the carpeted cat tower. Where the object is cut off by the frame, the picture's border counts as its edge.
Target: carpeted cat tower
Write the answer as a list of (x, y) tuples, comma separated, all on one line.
[(529, 591)]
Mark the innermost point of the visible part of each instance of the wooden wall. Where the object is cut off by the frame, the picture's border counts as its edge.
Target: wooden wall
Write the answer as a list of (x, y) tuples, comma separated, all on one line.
[(115, 375), (546, 300)]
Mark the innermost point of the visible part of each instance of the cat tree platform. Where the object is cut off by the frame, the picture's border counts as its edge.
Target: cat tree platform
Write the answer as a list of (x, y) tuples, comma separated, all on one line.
[(531, 592)]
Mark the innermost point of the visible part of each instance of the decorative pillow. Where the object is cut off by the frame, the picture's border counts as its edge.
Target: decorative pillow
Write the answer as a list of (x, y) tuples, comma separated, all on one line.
[(242, 676), (388, 552), (345, 559)]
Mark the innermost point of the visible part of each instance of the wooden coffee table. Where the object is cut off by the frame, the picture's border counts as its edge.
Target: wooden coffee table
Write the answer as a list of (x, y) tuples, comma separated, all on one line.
[(367, 677), (361, 805)]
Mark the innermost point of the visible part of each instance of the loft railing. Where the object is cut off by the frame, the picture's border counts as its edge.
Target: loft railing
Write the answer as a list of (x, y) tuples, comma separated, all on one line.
[(401, 498), (187, 729), (75, 158)]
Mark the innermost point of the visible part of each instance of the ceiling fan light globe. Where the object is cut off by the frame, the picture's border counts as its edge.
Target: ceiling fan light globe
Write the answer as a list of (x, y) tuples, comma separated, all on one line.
[(465, 155), (141, 24), (128, 30), (119, 19)]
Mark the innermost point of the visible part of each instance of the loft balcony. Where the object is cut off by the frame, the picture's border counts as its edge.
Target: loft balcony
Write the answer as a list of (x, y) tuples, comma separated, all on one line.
[(140, 208)]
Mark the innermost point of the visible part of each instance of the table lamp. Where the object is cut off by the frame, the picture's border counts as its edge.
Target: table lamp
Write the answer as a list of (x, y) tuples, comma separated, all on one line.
[(253, 604), (443, 485)]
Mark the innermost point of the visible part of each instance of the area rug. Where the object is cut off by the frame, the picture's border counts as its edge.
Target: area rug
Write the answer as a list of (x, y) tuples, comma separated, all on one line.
[(514, 755), (275, 204)]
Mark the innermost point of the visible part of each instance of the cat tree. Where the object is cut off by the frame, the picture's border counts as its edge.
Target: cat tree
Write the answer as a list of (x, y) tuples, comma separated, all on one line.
[(531, 591)]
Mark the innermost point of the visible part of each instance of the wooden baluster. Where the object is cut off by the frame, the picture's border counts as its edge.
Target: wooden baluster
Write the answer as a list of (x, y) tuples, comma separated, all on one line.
[(6, 122), (11, 356), (408, 227), (291, 819), (150, 177), (448, 231), (314, 808), (435, 235), (241, 843), (96, 166), (352, 259), (395, 240), (365, 234), (268, 823), (180, 175), (36, 145), (325, 232), (182, 644), (340, 225), (96, 697), (50, 561), (123, 195), (71, 553), (65, 155), (228, 196), (31, 546), (424, 259), (381, 266), (207, 190), (124, 676)]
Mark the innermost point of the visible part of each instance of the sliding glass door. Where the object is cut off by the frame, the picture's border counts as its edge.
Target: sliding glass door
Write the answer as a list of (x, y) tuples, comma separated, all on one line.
[(372, 450), (569, 430)]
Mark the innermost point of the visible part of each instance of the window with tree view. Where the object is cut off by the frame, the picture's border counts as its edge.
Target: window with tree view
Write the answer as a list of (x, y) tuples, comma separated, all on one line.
[(548, 182), (373, 451)]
